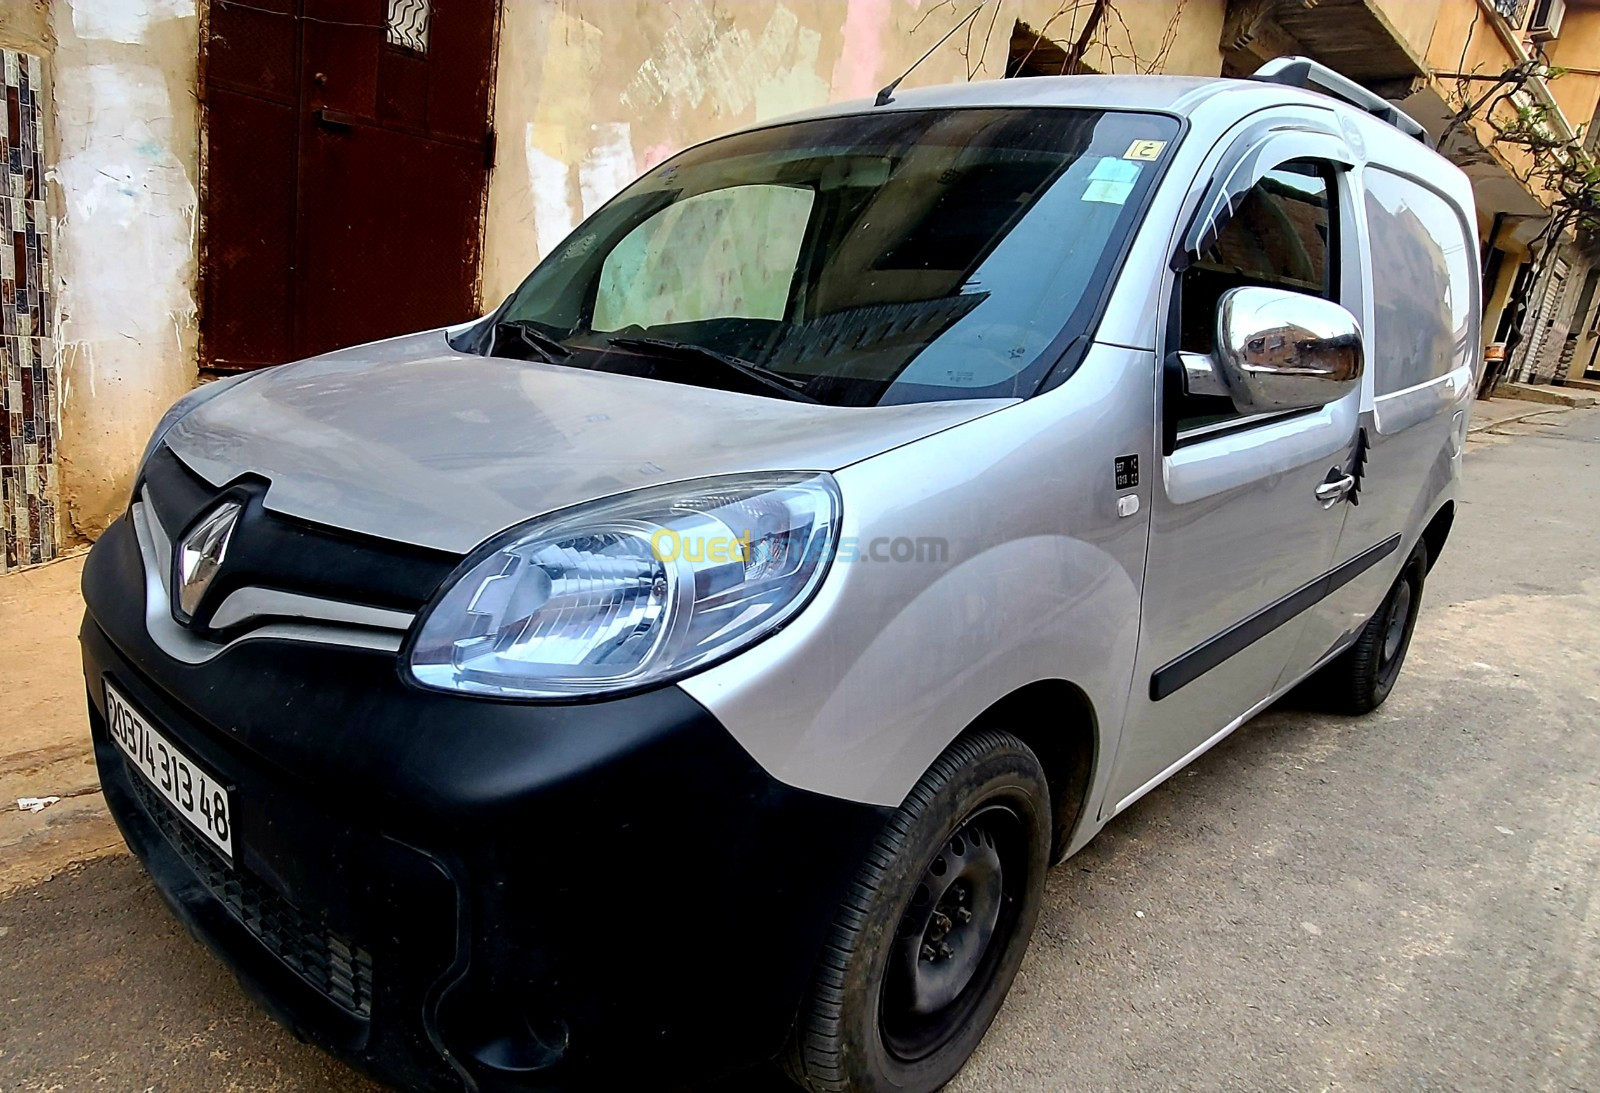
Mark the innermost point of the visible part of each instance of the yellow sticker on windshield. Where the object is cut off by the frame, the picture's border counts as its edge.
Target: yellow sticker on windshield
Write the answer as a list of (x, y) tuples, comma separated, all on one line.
[(1144, 149)]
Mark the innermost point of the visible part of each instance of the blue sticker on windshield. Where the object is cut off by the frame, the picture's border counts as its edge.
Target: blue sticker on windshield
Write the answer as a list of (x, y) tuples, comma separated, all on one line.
[(1111, 181)]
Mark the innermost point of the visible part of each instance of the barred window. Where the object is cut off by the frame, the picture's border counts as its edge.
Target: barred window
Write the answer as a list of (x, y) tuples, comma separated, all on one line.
[(409, 21)]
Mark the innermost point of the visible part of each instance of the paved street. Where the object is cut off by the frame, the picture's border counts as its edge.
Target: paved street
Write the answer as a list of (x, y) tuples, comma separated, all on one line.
[(1407, 900)]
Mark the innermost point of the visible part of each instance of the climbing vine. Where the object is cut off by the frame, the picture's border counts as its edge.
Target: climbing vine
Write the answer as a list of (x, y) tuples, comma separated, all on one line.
[(1519, 118), (1103, 30), (1514, 108), (1077, 29)]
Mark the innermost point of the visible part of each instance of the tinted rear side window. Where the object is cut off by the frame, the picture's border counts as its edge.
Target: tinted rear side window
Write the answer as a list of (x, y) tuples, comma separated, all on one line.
[(1422, 283)]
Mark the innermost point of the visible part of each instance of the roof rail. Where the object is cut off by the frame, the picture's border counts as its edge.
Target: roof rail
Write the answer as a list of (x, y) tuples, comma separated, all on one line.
[(1303, 72)]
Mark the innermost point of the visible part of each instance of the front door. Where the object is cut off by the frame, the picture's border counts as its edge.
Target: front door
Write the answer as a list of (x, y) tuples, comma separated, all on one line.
[(1238, 530), (348, 149)]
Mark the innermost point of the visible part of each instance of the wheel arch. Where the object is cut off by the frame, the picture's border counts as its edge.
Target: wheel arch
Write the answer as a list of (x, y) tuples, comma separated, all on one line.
[(1438, 530), (1066, 739)]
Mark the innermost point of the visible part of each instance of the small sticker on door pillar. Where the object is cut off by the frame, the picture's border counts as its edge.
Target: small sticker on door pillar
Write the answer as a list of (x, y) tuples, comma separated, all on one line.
[(1127, 468)]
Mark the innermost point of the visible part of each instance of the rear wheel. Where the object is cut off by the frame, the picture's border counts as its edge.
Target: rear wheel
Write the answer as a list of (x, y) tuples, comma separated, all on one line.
[(930, 936), (1360, 679)]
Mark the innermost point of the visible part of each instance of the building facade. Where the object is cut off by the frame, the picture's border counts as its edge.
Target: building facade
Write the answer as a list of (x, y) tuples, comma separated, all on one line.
[(208, 185)]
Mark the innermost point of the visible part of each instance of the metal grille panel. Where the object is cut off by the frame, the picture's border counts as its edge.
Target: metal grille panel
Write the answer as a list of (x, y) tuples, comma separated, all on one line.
[(409, 21), (1512, 11)]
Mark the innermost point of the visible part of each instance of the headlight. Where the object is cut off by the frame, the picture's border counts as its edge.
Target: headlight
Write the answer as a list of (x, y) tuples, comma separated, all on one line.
[(630, 590)]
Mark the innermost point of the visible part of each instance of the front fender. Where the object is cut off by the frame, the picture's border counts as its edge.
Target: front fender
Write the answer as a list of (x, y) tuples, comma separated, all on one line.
[(1040, 578)]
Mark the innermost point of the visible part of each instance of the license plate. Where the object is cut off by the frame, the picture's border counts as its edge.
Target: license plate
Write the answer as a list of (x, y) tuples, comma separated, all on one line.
[(196, 795)]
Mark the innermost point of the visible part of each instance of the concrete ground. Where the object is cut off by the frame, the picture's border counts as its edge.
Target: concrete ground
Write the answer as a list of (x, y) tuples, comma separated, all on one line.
[(44, 739), (1571, 395), (1410, 899)]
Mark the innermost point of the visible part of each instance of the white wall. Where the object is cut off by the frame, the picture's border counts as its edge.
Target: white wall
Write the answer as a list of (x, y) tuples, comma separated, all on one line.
[(125, 136)]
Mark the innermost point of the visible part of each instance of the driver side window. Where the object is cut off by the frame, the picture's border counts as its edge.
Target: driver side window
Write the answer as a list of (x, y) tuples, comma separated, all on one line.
[(1281, 235)]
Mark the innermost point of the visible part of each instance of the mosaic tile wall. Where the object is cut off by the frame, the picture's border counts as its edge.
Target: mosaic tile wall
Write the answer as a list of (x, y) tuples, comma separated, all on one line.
[(29, 422)]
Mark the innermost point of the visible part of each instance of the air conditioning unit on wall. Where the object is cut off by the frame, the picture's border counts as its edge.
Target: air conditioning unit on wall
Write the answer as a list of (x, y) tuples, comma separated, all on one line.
[(1545, 22)]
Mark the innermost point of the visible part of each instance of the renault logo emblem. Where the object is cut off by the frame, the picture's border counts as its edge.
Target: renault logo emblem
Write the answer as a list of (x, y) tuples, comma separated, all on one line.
[(200, 555)]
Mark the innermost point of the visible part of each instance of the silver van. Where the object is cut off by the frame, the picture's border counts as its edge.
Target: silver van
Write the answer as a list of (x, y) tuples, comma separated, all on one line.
[(697, 662)]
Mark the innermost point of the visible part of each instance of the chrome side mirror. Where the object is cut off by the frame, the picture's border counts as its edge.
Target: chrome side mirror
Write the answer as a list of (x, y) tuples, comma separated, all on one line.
[(1279, 350)]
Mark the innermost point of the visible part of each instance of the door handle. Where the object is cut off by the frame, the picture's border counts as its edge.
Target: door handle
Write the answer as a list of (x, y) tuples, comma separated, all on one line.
[(1330, 493), (333, 119)]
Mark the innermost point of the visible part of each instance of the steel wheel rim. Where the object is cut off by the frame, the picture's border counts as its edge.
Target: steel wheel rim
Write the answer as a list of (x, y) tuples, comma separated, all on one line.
[(941, 961)]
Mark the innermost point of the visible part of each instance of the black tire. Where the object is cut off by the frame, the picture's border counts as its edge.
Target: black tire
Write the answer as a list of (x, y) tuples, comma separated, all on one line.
[(892, 1010), (1360, 679)]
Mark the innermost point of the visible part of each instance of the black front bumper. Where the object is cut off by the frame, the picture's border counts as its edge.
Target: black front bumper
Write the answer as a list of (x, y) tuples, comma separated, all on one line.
[(455, 893)]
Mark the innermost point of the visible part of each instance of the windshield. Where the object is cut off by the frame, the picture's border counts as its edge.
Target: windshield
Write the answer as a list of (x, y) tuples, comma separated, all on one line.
[(864, 260)]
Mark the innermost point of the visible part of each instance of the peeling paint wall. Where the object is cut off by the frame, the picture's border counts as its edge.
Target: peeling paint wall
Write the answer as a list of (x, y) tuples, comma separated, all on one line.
[(592, 92), (589, 94), (121, 160), (127, 151)]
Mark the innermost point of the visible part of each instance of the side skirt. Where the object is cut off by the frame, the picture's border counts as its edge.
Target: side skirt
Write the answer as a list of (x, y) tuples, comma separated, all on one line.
[(1227, 730)]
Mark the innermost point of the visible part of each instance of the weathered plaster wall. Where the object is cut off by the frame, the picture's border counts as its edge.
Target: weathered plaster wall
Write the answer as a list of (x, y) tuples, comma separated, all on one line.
[(122, 158), (591, 92), (1413, 20), (1577, 93), (126, 160), (1578, 47)]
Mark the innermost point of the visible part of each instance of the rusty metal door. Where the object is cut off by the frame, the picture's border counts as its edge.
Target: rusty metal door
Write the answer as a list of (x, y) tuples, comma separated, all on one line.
[(348, 149)]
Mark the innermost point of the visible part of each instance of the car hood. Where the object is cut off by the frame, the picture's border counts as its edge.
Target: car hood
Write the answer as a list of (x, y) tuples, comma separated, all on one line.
[(412, 441)]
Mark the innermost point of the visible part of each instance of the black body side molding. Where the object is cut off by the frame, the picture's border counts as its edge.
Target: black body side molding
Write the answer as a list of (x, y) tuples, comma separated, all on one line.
[(1188, 667)]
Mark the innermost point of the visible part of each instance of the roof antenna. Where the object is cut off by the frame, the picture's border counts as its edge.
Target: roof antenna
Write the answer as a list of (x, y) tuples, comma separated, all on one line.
[(886, 96)]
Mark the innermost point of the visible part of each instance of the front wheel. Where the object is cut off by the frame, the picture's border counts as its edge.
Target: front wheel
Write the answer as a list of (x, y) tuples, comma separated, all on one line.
[(931, 933)]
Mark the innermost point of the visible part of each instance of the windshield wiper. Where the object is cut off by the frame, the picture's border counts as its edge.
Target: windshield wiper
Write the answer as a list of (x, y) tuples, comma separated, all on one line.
[(775, 381), (543, 345)]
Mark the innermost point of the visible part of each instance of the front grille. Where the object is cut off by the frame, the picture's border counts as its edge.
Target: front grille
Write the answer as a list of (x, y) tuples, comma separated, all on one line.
[(272, 550), (337, 968)]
